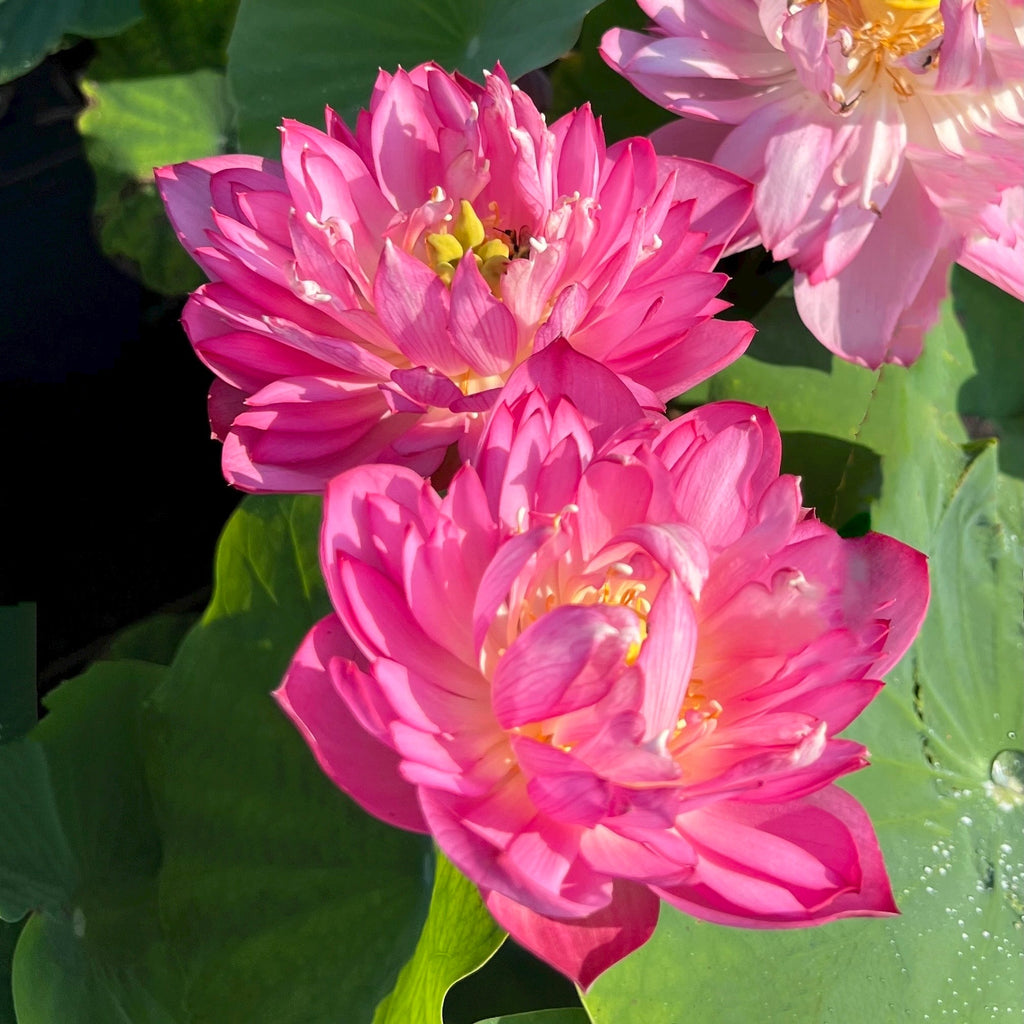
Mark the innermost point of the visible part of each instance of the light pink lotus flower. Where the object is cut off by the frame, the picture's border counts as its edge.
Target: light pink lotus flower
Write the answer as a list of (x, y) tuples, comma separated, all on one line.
[(609, 667), (995, 248), (344, 319), (880, 135)]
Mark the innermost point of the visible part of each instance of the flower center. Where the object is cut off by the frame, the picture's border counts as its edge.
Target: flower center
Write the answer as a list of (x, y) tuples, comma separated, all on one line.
[(617, 588), (894, 38), (697, 719), (464, 235)]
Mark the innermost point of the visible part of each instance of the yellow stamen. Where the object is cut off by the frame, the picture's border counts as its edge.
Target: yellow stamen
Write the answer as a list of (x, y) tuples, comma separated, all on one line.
[(468, 235), (492, 249), (469, 229), (444, 249)]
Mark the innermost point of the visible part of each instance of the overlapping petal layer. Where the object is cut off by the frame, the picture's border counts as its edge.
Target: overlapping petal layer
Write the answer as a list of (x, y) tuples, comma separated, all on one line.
[(881, 136), (609, 667), (370, 293)]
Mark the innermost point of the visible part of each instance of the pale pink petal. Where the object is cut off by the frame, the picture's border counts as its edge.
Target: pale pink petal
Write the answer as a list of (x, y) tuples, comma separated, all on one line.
[(996, 250), (857, 313)]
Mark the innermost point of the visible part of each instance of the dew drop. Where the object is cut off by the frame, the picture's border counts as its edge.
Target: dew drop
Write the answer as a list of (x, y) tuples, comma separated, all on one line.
[(1008, 770)]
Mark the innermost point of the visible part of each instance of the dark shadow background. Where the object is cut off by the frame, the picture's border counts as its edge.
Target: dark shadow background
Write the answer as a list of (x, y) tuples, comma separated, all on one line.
[(112, 498)]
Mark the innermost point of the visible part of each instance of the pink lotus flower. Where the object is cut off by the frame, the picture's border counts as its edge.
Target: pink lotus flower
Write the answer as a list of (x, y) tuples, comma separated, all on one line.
[(344, 319), (880, 135), (609, 667)]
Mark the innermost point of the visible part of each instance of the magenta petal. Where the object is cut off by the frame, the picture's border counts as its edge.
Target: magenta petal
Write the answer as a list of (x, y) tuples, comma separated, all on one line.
[(585, 948), (709, 347), (723, 200), (353, 760)]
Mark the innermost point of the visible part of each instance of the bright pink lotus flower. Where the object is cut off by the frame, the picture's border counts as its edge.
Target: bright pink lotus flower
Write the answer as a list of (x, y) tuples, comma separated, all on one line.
[(344, 319), (609, 667), (880, 135)]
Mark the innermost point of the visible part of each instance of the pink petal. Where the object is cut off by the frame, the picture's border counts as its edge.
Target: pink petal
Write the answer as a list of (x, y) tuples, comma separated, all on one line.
[(774, 884), (567, 659), (483, 330), (427, 387), (995, 251), (723, 199), (603, 401), (706, 348), (583, 948), (413, 302), (887, 580), (797, 155), (353, 760), (962, 45), (185, 189)]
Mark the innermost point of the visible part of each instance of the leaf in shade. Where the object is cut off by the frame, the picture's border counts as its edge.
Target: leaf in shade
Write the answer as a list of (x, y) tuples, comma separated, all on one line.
[(29, 30), (283, 901), (290, 60)]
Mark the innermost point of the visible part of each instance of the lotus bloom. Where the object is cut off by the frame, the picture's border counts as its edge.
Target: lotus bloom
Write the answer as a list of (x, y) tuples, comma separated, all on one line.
[(880, 134), (608, 668), (372, 291)]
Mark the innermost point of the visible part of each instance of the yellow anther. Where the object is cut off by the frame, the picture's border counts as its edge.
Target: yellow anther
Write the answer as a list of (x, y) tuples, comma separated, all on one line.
[(493, 248), (444, 249), (469, 229)]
